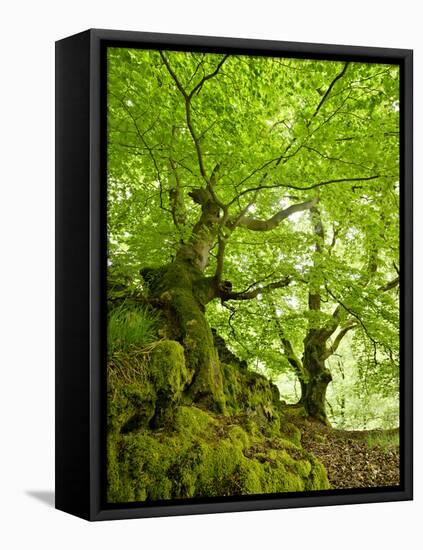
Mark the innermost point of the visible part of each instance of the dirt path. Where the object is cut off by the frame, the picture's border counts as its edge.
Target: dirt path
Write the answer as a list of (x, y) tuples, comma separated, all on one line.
[(353, 459)]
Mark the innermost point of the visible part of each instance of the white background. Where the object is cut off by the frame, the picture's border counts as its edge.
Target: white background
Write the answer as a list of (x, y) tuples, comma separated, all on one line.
[(27, 36)]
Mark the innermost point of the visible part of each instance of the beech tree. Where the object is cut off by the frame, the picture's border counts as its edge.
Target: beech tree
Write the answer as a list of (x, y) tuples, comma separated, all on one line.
[(259, 195)]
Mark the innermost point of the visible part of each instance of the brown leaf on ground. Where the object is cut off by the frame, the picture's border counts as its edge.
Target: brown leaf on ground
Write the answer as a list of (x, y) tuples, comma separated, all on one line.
[(349, 460)]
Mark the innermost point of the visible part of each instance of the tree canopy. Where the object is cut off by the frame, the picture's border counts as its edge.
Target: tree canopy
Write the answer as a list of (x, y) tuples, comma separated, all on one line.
[(281, 177)]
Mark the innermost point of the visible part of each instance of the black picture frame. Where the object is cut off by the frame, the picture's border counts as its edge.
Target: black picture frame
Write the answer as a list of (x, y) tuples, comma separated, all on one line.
[(80, 272)]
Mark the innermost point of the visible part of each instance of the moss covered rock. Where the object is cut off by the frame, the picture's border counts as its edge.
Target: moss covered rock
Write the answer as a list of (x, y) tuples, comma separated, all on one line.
[(131, 405), (167, 370), (163, 445), (207, 455)]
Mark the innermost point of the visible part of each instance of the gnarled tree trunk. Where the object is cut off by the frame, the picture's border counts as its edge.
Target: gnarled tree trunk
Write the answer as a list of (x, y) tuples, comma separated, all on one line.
[(182, 291), (316, 375), (314, 396)]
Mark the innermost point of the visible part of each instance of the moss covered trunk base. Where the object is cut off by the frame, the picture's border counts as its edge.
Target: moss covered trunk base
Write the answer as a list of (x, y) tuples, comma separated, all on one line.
[(314, 398), (181, 292), (318, 377)]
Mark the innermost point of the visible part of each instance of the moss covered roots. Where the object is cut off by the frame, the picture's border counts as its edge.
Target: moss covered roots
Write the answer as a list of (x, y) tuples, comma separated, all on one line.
[(161, 446)]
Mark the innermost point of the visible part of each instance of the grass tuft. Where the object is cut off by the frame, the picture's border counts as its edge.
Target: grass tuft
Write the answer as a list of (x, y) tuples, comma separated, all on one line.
[(384, 439), (131, 328)]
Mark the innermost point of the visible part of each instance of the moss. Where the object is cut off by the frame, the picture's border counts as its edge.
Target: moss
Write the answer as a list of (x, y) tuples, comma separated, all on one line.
[(206, 455), (318, 478), (167, 369), (298, 410), (247, 421), (201, 355), (280, 478), (239, 437), (232, 386), (134, 405), (303, 468), (250, 478), (129, 403), (225, 355), (193, 421), (222, 464), (113, 469), (290, 431), (182, 290), (250, 392), (142, 460)]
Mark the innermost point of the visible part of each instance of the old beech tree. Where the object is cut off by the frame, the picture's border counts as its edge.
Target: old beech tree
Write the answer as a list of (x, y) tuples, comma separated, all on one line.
[(262, 194)]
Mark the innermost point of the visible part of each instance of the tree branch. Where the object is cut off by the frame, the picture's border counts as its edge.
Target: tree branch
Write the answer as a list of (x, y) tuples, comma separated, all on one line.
[(265, 165), (332, 348), (195, 140), (220, 258), (150, 151), (353, 314), (327, 157), (267, 225), (331, 85), (176, 198), (221, 240), (249, 295), (292, 357), (306, 188), (173, 75), (188, 97), (392, 284), (335, 233), (208, 76), (314, 297), (188, 117)]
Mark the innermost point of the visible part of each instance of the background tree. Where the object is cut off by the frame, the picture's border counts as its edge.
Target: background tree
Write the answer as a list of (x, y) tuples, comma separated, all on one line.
[(360, 305)]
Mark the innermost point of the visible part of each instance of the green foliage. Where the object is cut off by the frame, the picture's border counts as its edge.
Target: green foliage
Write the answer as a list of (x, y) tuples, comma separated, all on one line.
[(363, 395), (131, 327)]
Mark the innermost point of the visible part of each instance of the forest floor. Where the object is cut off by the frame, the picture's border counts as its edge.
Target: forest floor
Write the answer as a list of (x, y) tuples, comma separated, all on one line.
[(353, 458)]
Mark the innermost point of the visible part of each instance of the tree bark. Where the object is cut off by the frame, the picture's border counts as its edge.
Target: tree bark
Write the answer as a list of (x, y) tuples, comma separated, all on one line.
[(318, 377), (204, 233), (181, 291)]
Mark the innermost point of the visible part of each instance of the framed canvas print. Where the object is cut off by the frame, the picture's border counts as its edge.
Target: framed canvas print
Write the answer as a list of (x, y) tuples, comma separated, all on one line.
[(234, 274)]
